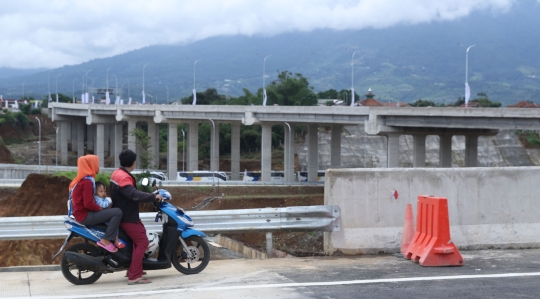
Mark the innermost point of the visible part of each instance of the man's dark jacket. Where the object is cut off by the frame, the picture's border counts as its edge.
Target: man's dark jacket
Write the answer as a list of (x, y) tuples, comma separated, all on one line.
[(125, 196)]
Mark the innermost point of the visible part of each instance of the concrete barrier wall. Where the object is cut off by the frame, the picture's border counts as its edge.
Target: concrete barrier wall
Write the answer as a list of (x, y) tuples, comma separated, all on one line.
[(488, 207), (20, 172)]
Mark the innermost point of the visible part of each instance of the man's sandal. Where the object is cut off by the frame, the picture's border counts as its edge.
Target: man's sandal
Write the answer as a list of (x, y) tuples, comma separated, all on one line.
[(143, 273), (139, 281)]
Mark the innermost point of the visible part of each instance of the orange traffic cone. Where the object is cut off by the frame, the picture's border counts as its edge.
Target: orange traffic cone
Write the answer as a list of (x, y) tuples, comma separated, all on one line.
[(408, 229)]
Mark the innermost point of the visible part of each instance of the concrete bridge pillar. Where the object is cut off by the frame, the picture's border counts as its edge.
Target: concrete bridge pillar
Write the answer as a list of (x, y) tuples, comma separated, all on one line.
[(90, 138), (235, 151), (106, 139), (74, 138), (172, 151), (118, 144), (64, 142), (153, 151), (419, 150), (80, 138), (289, 153), (471, 150), (69, 135), (392, 143), (193, 146), (132, 141), (266, 153), (335, 147), (100, 143), (313, 153), (214, 147), (445, 150)]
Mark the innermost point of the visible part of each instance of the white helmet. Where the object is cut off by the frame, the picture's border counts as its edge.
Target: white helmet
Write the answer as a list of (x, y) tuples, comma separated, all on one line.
[(153, 244)]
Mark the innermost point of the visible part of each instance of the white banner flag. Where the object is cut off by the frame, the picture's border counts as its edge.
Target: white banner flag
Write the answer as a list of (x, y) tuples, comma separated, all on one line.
[(107, 98), (16, 105), (264, 97), (25, 102), (194, 97), (6, 102), (121, 101), (117, 101), (467, 94), (129, 101), (143, 98), (92, 98), (35, 104), (50, 99), (57, 98), (352, 96)]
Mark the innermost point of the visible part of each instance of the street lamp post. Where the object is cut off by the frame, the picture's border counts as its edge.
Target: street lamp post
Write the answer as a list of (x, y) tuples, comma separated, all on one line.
[(107, 77), (467, 89), (39, 147), (352, 79), (167, 95), (23, 91), (143, 82), (56, 90), (73, 89), (49, 84), (264, 77), (116, 88), (194, 90)]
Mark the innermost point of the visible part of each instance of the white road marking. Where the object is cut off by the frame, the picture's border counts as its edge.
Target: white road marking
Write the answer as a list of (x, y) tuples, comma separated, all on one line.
[(286, 285)]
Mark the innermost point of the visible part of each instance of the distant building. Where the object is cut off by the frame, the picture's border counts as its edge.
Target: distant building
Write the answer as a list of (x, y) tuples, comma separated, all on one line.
[(524, 104), (369, 100)]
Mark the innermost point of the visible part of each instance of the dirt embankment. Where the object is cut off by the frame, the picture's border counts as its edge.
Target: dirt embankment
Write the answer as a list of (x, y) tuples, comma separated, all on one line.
[(42, 195)]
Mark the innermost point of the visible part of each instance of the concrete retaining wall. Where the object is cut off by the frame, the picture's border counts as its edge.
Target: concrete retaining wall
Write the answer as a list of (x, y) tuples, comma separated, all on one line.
[(489, 207), (20, 172)]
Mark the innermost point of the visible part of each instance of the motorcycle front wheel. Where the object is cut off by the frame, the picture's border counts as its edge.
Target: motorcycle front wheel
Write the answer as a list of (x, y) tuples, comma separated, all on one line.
[(196, 260), (78, 275)]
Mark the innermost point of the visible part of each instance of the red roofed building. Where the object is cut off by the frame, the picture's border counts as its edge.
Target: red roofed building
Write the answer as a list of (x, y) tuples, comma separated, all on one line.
[(369, 100), (524, 104)]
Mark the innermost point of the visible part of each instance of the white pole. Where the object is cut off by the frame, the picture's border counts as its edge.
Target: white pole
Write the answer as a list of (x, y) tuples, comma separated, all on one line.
[(167, 95), (56, 90), (194, 64), (107, 78), (352, 78), (73, 90), (49, 85), (467, 91)]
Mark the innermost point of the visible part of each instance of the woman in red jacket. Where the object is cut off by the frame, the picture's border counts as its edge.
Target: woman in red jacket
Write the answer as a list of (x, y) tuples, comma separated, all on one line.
[(85, 210)]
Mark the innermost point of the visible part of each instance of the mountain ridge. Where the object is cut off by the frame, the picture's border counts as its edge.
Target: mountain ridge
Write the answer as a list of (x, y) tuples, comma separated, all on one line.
[(400, 63)]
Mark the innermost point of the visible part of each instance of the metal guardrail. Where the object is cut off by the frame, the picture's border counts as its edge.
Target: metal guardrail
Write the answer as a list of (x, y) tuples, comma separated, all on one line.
[(18, 183), (302, 218), (10, 182)]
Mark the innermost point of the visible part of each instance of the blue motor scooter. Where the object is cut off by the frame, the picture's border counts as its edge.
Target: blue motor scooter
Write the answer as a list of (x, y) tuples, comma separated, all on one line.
[(179, 245)]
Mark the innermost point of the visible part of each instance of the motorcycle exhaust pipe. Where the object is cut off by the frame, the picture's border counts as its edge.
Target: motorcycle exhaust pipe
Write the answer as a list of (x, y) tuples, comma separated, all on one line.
[(88, 262)]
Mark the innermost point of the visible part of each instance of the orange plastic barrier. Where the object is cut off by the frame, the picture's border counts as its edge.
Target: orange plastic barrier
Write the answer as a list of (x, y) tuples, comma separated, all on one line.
[(431, 244)]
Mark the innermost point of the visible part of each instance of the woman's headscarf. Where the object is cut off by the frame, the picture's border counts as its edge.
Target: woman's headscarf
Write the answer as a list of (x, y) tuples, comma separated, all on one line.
[(87, 166)]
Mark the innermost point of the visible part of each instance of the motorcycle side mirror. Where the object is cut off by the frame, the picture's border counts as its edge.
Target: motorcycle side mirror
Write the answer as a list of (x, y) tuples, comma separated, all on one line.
[(144, 182)]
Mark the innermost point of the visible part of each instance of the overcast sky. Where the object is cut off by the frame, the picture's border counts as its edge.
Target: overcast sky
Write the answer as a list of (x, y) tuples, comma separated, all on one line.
[(37, 33)]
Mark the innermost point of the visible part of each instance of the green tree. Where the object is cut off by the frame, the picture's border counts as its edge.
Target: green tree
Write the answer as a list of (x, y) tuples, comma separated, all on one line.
[(423, 103), (291, 90), (143, 142), (208, 97), (329, 94)]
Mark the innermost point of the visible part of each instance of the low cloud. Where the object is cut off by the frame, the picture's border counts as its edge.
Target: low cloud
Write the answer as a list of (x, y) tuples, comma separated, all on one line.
[(56, 33)]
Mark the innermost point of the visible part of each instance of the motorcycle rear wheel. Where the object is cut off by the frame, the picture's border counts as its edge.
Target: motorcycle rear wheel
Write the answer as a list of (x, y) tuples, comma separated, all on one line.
[(77, 275), (199, 248)]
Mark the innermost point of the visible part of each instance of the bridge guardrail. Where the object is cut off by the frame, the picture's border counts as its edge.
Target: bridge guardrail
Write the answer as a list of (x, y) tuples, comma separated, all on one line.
[(300, 218), (18, 183)]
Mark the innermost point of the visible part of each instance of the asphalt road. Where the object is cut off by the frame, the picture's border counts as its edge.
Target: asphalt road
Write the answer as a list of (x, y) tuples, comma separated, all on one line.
[(486, 274)]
